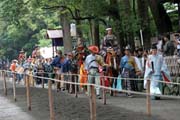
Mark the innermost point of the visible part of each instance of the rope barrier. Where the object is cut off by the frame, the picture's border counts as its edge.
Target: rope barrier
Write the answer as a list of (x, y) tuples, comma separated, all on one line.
[(107, 88), (104, 87), (92, 95), (115, 78)]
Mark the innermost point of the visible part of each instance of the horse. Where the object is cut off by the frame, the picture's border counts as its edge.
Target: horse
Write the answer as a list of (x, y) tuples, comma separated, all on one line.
[(79, 54), (112, 59)]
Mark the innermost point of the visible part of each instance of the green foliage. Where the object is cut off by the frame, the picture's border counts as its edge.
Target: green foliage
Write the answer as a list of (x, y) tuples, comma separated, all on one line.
[(173, 14), (23, 23)]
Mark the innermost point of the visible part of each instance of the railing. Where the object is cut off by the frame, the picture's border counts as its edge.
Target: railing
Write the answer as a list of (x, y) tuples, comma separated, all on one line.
[(173, 65), (92, 95)]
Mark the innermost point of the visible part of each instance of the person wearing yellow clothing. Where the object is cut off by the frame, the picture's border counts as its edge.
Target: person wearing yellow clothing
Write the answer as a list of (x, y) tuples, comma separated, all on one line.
[(129, 69), (83, 77)]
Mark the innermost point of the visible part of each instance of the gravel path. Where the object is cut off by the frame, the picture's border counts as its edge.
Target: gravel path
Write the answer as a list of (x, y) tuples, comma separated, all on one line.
[(67, 107)]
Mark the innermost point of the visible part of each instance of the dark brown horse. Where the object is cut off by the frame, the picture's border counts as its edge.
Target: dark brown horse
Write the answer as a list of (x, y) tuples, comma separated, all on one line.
[(113, 70)]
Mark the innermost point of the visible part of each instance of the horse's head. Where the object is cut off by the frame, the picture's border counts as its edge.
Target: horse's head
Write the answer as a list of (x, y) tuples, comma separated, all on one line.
[(111, 58)]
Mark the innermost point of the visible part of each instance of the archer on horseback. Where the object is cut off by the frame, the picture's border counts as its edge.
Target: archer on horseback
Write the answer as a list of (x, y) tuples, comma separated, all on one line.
[(109, 51), (110, 40)]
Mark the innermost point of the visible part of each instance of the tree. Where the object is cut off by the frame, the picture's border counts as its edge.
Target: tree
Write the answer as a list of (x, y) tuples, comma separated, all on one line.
[(143, 14), (161, 18)]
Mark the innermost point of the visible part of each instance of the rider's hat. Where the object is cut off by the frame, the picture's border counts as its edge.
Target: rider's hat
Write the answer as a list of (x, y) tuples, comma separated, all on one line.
[(109, 28), (127, 47), (22, 51), (93, 49)]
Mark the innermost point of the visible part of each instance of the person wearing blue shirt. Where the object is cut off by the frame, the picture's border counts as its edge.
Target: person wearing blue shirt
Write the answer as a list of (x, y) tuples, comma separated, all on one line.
[(129, 69), (56, 63)]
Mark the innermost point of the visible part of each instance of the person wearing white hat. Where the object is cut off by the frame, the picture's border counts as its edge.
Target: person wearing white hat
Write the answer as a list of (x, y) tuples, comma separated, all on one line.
[(110, 40), (108, 29)]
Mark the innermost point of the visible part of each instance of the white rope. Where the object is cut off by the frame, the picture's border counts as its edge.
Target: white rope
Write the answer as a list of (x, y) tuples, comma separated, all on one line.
[(115, 78), (107, 88)]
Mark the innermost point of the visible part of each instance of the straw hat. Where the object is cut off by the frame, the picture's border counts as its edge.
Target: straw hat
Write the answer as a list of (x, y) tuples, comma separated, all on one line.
[(94, 49)]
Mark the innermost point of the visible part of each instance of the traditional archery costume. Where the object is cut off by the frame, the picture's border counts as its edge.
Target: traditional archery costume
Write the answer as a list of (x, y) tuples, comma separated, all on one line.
[(155, 68), (110, 40), (83, 76), (129, 68)]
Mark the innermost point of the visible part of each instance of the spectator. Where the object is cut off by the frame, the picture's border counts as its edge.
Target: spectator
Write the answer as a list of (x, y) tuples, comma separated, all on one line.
[(92, 67), (13, 65), (155, 66), (177, 41), (169, 47), (129, 69)]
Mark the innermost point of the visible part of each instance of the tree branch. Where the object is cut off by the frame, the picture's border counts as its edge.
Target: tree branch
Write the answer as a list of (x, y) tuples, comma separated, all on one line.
[(75, 17)]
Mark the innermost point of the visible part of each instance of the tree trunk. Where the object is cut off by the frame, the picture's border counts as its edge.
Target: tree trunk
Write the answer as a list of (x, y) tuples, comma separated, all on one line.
[(126, 13), (134, 8), (78, 24), (95, 32), (66, 33), (78, 29), (144, 22), (161, 18), (117, 23)]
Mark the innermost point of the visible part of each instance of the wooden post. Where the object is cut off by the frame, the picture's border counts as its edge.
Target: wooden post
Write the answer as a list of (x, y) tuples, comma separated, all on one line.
[(25, 77), (92, 103), (148, 99), (32, 78), (14, 86), (104, 92), (51, 107), (76, 95), (5, 84), (42, 80), (28, 92)]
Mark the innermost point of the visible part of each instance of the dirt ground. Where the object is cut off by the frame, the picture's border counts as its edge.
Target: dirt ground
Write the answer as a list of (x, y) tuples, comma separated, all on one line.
[(67, 107)]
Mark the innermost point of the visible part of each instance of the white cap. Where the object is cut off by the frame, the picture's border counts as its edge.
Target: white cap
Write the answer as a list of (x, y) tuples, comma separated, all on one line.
[(108, 29)]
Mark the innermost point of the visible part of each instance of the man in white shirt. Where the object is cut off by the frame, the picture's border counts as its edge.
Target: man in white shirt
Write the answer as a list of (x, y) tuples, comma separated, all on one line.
[(159, 45), (91, 65)]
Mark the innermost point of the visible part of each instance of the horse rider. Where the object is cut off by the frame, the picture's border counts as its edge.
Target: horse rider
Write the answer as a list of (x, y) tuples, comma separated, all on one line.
[(110, 40)]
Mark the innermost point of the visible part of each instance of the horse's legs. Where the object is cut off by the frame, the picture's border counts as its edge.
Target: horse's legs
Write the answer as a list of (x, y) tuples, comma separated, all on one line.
[(111, 85)]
